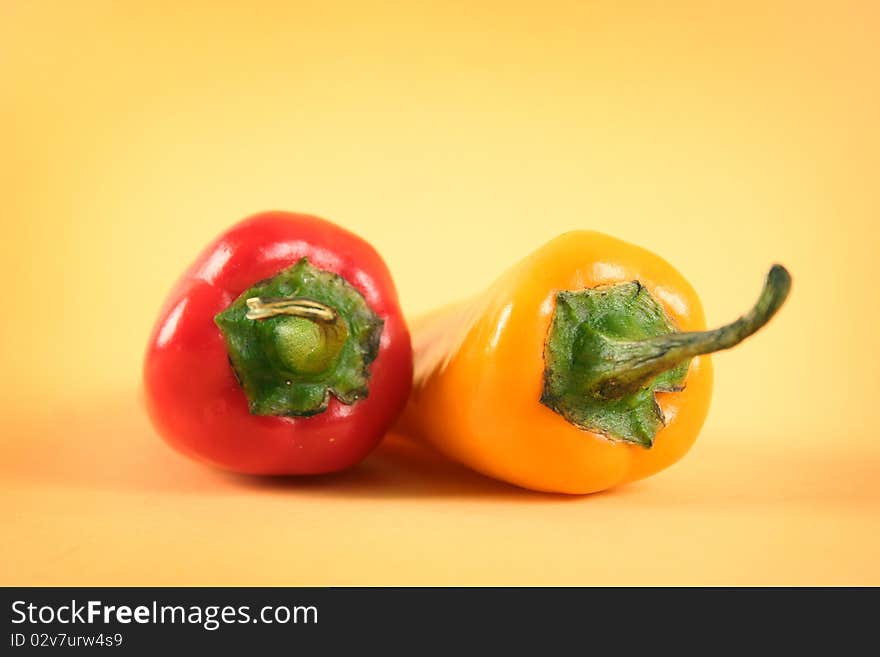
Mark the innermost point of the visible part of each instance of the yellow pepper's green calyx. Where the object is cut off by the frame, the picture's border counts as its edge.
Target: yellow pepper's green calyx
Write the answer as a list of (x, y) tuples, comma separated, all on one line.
[(610, 349)]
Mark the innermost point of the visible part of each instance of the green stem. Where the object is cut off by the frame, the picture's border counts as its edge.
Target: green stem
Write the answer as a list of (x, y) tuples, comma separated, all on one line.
[(309, 340), (636, 363)]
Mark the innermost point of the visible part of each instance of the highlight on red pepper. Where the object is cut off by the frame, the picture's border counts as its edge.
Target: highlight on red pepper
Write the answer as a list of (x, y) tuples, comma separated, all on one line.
[(281, 350)]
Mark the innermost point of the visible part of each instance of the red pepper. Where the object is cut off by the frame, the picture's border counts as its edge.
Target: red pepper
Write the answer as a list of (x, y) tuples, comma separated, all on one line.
[(281, 350)]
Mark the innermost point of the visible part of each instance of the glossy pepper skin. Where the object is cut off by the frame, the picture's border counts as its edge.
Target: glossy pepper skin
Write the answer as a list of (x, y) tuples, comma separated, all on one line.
[(192, 393), (480, 385)]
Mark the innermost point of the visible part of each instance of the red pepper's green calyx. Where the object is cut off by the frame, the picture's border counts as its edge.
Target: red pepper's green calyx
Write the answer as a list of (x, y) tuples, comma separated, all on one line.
[(299, 337), (610, 349)]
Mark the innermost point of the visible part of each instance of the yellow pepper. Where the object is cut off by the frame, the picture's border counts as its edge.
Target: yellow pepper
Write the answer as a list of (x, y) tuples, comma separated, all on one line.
[(582, 368)]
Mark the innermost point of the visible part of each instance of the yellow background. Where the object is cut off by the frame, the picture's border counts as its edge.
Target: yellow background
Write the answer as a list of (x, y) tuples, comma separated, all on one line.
[(457, 137)]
